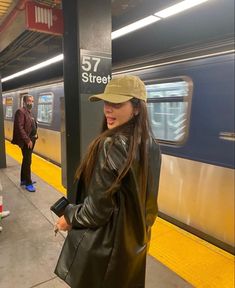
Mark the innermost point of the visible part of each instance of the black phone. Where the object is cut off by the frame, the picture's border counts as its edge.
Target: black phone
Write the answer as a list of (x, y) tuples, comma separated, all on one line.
[(59, 206)]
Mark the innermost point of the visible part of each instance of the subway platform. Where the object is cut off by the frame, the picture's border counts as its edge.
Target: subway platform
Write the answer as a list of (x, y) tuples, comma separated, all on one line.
[(29, 248)]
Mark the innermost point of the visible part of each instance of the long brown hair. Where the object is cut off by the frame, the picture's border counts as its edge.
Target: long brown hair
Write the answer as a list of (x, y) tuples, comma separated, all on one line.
[(138, 131)]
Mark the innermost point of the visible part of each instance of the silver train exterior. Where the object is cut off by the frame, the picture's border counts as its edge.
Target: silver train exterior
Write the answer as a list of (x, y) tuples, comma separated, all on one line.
[(191, 108)]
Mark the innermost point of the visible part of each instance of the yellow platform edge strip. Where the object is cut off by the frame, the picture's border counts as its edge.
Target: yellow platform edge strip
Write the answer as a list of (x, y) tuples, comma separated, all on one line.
[(193, 259)]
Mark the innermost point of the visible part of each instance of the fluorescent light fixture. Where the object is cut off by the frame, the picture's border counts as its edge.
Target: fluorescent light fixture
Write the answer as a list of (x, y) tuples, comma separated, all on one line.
[(179, 7), (134, 26), (35, 67)]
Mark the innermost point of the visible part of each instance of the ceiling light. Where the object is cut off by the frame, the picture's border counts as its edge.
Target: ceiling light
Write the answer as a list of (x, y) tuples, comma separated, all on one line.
[(179, 7), (35, 67), (134, 26)]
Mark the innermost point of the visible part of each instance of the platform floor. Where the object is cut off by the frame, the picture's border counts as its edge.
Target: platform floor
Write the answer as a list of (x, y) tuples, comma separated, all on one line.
[(28, 247)]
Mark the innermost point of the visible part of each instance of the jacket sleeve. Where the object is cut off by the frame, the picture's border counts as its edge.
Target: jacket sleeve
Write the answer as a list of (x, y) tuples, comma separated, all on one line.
[(19, 122), (99, 205)]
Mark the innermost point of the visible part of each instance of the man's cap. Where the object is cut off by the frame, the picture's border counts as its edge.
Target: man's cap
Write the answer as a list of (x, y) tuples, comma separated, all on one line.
[(121, 89)]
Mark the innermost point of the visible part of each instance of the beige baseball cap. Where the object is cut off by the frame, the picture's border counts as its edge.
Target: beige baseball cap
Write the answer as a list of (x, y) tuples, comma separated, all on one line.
[(121, 89)]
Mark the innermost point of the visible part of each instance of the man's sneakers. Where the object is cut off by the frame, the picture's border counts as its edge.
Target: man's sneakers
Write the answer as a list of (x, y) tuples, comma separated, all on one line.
[(4, 214), (30, 188), (23, 183)]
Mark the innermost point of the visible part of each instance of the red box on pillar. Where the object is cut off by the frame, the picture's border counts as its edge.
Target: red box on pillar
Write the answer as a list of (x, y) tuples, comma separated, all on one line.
[(42, 18)]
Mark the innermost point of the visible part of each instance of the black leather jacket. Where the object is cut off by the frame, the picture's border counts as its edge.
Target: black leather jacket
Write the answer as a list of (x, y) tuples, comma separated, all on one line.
[(107, 245)]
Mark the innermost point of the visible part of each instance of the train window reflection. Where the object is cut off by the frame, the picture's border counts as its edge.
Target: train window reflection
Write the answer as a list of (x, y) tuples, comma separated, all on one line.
[(45, 108), (9, 107), (168, 106)]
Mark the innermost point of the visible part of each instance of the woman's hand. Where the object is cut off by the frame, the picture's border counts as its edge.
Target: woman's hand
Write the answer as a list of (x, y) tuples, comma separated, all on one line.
[(62, 224)]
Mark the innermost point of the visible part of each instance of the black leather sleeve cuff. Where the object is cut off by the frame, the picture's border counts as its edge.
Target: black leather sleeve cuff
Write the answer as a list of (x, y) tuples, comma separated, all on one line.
[(70, 212)]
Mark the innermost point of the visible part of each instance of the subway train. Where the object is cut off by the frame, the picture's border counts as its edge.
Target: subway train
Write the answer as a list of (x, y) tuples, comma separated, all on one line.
[(191, 109)]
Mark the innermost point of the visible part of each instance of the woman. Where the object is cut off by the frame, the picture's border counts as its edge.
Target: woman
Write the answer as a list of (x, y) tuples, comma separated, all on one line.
[(109, 228)]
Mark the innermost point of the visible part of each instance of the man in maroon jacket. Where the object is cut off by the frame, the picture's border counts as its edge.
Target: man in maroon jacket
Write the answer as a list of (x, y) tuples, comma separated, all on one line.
[(25, 135)]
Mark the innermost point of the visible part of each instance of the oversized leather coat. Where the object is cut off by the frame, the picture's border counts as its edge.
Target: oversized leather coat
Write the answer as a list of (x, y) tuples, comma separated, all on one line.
[(22, 127), (108, 243)]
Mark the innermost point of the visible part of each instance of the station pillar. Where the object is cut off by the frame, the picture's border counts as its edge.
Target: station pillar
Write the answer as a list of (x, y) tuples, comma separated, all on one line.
[(2, 138), (87, 70)]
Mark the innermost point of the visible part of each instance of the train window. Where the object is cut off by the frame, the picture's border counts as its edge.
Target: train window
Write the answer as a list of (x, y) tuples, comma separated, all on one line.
[(45, 107), (168, 106), (9, 107)]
